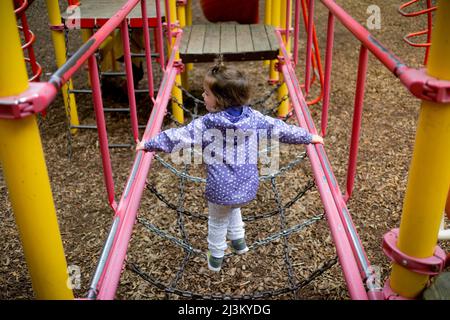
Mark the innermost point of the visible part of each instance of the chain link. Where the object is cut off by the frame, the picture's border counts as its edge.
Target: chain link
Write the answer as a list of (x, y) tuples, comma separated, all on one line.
[(163, 234), (193, 115), (266, 97), (254, 217), (298, 159), (283, 224), (252, 296), (258, 243), (180, 222)]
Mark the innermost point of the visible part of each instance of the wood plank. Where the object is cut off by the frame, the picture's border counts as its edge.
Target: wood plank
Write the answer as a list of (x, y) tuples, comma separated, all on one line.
[(212, 39), (227, 38), (195, 45), (185, 39), (105, 9), (244, 38), (274, 45), (235, 46), (259, 36)]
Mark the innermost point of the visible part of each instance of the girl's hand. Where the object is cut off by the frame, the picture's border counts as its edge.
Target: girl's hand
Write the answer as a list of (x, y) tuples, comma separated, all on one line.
[(316, 139), (140, 145)]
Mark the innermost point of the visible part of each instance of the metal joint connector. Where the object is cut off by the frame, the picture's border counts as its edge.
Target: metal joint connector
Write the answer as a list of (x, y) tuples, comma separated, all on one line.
[(281, 61), (174, 25), (33, 100), (283, 30), (57, 27), (179, 65), (426, 87), (428, 266)]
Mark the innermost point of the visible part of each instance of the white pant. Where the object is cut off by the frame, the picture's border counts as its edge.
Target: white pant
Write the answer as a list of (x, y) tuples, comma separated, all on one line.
[(223, 222)]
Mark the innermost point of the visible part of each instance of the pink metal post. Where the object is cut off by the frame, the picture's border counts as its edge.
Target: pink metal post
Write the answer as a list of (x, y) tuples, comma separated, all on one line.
[(309, 44), (148, 50), (357, 117), (101, 127), (296, 30), (130, 81), (159, 38), (345, 218), (328, 65)]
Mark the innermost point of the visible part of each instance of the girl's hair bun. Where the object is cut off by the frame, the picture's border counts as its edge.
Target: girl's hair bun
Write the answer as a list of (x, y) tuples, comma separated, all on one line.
[(219, 64)]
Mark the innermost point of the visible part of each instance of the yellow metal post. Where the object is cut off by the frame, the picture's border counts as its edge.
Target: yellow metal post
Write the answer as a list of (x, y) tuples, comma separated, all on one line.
[(283, 91), (26, 177), (267, 20), (181, 14), (177, 96), (54, 15), (275, 21), (429, 175)]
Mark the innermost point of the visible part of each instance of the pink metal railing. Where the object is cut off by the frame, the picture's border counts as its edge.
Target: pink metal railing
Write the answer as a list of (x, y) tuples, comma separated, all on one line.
[(342, 230), (419, 84), (129, 203)]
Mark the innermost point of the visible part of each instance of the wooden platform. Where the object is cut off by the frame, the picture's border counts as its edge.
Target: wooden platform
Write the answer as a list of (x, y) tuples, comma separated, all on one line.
[(237, 42), (95, 13)]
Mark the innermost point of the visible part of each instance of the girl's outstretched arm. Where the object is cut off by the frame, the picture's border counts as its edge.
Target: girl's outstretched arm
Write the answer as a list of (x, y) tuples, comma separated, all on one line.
[(174, 139), (287, 133)]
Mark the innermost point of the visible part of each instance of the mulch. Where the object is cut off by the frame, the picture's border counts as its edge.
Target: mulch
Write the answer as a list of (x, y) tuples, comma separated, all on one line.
[(386, 144)]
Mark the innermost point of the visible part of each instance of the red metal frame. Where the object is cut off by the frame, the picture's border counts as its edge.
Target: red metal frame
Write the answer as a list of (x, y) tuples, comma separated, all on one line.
[(30, 38), (426, 31)]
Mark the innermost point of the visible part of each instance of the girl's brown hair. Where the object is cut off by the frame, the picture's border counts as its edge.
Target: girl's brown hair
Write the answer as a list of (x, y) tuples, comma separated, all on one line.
[(229, 86)]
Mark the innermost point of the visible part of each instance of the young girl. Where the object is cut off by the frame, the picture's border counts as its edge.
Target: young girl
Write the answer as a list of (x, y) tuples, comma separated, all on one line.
[(229, 185)]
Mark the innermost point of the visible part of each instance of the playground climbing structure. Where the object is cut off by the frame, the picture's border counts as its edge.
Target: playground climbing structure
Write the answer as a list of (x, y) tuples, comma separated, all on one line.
[(412, 248)]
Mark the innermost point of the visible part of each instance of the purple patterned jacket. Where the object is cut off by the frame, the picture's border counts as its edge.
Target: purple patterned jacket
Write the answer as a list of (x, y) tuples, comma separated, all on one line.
[(229, 145)]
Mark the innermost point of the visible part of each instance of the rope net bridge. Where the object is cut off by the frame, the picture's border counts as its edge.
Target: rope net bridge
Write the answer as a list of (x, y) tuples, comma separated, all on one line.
[(282, 234)]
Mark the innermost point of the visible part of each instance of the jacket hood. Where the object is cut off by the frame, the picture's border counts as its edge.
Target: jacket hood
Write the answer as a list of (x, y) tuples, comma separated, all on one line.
[(224, 120)]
